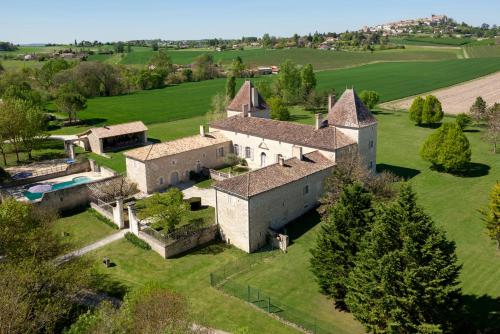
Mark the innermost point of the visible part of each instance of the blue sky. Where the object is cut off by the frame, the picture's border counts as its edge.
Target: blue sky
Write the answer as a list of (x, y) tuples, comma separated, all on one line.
[(30, 21)]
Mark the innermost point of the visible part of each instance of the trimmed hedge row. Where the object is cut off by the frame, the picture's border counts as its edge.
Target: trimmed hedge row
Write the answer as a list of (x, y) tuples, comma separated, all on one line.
[(136, 241), (103, 219)]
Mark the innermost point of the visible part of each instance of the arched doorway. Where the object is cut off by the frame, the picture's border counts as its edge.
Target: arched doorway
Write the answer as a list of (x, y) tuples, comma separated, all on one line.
[(174, 178), (263, 159)]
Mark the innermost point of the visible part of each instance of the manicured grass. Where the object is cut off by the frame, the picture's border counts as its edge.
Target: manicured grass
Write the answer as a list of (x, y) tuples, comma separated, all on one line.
[(49, 149), (320, 59), (82, 229), (188, 275)]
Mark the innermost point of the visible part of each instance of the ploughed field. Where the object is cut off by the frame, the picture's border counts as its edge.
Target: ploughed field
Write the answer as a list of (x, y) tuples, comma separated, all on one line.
[(459, 98)]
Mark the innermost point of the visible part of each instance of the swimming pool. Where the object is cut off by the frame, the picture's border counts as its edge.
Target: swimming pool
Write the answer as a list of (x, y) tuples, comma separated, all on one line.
[(33, 196)]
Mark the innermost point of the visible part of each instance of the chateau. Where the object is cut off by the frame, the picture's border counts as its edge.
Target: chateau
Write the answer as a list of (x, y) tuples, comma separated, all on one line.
[(289, 162)]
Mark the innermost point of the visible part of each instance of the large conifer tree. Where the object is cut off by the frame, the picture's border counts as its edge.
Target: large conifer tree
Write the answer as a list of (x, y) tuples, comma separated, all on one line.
[(405, 276), (344, 225)]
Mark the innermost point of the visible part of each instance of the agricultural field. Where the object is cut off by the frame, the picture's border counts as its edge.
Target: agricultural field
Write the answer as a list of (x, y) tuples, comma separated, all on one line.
[(442, 41), (320, 59), (287, 277), (392, 81), (459, 98), (485, 51)]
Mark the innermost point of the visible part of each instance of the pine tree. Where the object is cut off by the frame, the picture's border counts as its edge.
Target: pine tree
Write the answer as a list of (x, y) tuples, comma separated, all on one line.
[(492, 214), (448, 148), (415, 111), (405, 278), (478, 109), (344, 225)]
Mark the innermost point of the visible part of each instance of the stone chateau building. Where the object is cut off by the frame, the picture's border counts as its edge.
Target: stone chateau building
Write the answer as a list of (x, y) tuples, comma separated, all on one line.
[(288, 162)]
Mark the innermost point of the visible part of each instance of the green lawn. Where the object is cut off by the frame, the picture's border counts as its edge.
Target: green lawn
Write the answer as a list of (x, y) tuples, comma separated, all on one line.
[(320, 59), (49, 149), (82, 229), (188, 275)]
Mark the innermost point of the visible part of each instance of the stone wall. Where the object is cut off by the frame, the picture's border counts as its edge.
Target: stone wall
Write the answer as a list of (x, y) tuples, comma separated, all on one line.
[(231, 214), (159, 174), (276, 208), (199, 238)]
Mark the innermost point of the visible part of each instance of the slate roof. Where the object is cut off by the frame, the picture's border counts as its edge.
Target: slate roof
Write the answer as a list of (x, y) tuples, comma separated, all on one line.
[(244, 97), (116, 130), (349, 111), (173, 147), (326, 138), (274, 176)]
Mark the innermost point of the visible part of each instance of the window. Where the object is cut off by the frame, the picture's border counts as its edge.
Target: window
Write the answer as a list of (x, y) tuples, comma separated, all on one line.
[(161, 180), (306, 190), (173, 162), (220, 152), (370, 145), (248, 152), (237, 150), (370, 165)]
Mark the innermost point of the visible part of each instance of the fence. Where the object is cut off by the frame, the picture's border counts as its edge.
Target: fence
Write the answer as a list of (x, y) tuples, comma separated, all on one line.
[(218, 176), (225, 280)]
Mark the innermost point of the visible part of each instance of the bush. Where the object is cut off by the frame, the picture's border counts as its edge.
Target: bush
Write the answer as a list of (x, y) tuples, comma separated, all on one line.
[(369, 98), (194, 203), (463, 120), (136, 241), (447, 149), (428, 111), (279, 110)]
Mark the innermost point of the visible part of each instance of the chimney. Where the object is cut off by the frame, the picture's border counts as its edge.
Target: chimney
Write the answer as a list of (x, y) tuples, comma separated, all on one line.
[(281, 160), (255, 97), (244, 110), (319, 121), (297, 152), (202, 130), (331, 101)]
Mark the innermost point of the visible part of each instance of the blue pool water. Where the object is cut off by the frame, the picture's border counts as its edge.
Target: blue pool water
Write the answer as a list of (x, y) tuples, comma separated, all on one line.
[(76, 181)]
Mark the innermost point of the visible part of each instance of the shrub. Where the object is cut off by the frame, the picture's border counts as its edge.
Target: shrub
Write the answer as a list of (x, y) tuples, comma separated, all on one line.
[(136, 241), (415, 111), (369, 98), (447, 148), (463, 120), (432, 111)]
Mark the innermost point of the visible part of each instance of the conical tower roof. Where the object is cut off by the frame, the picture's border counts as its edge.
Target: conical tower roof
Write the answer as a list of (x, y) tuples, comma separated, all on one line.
[(349, 111), (245, 96)]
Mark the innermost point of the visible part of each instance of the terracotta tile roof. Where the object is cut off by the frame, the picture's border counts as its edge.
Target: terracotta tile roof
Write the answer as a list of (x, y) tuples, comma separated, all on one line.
[(326, 138), (244, 97), (116, 130), (273, 176), (350, 111), (168, 148)]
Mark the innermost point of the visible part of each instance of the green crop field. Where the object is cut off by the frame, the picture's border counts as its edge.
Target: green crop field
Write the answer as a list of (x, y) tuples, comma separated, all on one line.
[(391, 80), (483, 51), (320, 59), (452, 201), (442, 41)]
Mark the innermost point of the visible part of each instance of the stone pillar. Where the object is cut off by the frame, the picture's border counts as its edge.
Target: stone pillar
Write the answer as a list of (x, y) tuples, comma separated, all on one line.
[(93, 166), (71, 151), (132, 220), (118, 213)]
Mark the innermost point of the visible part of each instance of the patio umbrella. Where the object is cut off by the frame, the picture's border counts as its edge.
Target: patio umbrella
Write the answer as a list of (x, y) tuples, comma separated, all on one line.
[(40, 188)]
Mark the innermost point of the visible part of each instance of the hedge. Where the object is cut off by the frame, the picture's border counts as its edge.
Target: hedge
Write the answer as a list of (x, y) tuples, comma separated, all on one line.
[(136, 241)]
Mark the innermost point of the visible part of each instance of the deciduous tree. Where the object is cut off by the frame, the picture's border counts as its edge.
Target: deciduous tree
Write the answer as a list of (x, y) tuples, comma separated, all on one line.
[(491, 215), (69, 101), (307, 80), (463, 120), (279, 110), (165, 209), (478, 109), (370, 98), (289, 82), (492, 134), (218, 107)]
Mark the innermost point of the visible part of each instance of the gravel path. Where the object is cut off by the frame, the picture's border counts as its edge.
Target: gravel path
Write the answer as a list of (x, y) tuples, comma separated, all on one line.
[(91, 247)]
